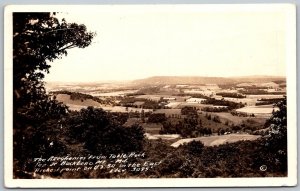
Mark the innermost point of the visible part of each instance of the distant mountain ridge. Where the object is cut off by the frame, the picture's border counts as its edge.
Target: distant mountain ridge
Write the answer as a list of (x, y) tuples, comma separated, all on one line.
[(170, 80), (161, 80)]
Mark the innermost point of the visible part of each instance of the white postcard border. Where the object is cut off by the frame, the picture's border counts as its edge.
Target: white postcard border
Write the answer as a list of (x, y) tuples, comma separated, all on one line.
[(291, 180)]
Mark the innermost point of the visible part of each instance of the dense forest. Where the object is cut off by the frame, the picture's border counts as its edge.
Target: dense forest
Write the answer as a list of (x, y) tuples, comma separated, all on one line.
[(45, 128)]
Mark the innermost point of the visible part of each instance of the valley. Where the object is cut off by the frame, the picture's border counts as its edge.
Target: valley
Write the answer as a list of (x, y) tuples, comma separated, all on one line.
[(180, 109)]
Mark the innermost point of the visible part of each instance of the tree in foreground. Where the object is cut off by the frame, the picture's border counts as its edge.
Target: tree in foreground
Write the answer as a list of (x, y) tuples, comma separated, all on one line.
[(38, 39), (101, 132), (277, 140)]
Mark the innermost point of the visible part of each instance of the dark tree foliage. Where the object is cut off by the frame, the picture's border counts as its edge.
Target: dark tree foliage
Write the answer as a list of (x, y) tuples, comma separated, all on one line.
[(215, 109), (197, 95), (189, 111), (157, 118), (268, 101), (229, 94), (38, 38), (148, 104), (169, 128), (258, 91), (194, 148), (230, 105), (102, 132), (80, 96), (277, 139)]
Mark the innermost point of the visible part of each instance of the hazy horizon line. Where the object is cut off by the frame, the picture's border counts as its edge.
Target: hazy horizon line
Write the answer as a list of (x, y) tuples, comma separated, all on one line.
[(131, 80)]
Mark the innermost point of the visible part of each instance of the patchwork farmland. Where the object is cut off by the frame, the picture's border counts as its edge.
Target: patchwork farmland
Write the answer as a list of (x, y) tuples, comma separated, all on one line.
[(212, 113)]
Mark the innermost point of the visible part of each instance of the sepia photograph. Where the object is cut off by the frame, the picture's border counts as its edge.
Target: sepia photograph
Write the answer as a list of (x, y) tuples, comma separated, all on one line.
[(150, 95)]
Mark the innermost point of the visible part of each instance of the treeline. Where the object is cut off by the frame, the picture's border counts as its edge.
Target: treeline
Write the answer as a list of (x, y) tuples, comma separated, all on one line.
[(157, 118), (147, 104), (73, 95), (253, 87), (232, 95), (197, 95), (230, 105), (249, 126), (214, 118), (188, 127), (241, 114), (259, 92), (189, 111), (208, 100), (268, 101), (81, 96), (214, 109)]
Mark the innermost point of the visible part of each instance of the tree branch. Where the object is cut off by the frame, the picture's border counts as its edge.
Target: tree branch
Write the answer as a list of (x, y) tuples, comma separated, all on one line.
[(67, 47), (60, 30)]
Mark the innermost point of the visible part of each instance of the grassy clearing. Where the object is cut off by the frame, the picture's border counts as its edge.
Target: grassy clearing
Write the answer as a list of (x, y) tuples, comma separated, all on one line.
[(68, 101), (218, 140), (225, 116), (262, 109), (212, 124)]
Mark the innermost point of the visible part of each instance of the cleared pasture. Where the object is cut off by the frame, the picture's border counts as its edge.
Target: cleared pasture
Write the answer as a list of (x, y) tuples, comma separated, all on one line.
[(76, 107), (164, 137), (218, 140), (65, 98), (262, 109), (265, 96), (173, 104), (236, 120), (225, 116)]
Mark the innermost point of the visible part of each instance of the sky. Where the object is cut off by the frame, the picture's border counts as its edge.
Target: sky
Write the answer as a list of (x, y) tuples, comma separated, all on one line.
[(135, 43)]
